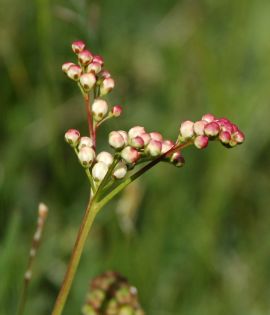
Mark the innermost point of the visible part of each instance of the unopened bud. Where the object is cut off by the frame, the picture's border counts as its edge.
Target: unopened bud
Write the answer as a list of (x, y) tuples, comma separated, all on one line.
[(105, 157), (124, 135), (120, 170), (208, 117), (146, 138), (66, 66), (94, 67), (98, 59), (198, 127), (117, 110), (126, 310), (99, 109), (186, 129), (105, 74), (74, 72), (42, 210), (86, 156), (130, 155), (99, 171), (116, 140), (106, 86), (166, 146), (72, 137), (201, 142), (156, 136), (78, 46), (136, 142), (85, 142), (239, 137), (153, 148), (212, 129), (224, 137), (135, 131), (177, 159), (85, 57), (87, 81)]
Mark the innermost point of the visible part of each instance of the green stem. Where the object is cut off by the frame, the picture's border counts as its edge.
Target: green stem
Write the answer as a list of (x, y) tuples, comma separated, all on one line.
[(88, 219), (137, 174)]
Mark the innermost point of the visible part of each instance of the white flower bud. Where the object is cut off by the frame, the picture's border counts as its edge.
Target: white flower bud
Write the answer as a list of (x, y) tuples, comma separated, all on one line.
[(120, 170), (74, 72), (94, 67), (116, 140), (156, 136), (99, 109), (105, 157), (166, 146), (135, 131), (130, 155), (85, 142), (87, 81), (124, 135), (117, 110), (85, 57), (86, 156), (136, 142), (153, 148), (186, 129), (146, 138), (72, 137), (99, 171), (66, 66), (78, 46), (106, 86), (198, 127)]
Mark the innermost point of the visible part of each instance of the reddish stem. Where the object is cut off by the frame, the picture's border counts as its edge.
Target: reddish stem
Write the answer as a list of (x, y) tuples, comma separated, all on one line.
[(92, 131)]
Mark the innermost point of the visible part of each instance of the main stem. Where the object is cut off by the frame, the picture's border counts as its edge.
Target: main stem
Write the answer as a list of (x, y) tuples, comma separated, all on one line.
[(85, 227)]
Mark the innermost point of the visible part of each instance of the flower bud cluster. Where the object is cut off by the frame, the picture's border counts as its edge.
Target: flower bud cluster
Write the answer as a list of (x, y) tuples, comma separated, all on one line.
[(110, 293), (98, 164), (137, 145), (210, 128), (90, 75)]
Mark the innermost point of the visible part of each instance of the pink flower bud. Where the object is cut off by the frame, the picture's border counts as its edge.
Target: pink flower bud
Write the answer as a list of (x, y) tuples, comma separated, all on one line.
[(116, 140), (74, 72), (78, 46), (99, 109), (85, 57), (177, 159), (85, 142), (156, 136), (130, 155), (166, 146), (87, 81), (105, 157), (186, 129), (66, 66), (212, 129), (224, 137), (99, 171), (135, 131), (208, 117), (105, 74), (239, 137), (106, 86), (98, 59), (153, 148), (72, 137), (120, 170), (136, 142), (146, 138), (199, 127), (124, 135), (201, 142), (86, 156), (94, 67), (117, 110)]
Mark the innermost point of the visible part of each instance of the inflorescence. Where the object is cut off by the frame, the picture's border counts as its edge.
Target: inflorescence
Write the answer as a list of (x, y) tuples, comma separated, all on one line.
[(111, 294), (136, 145)]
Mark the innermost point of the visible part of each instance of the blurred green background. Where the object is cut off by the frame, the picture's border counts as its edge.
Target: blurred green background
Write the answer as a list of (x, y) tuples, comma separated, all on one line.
[(194, 240)]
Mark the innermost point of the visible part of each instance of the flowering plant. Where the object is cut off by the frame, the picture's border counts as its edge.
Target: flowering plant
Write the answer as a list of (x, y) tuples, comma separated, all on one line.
[(132, 153)]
